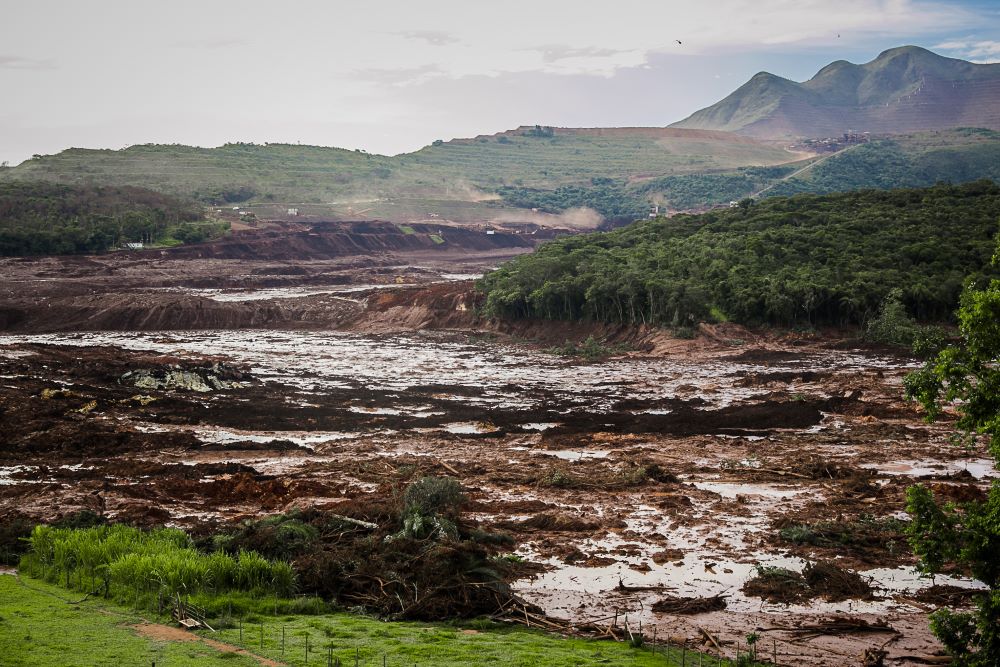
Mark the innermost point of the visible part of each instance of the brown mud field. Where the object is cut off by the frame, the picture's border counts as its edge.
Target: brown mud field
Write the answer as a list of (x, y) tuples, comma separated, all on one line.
[(653, 485), (298, 278)]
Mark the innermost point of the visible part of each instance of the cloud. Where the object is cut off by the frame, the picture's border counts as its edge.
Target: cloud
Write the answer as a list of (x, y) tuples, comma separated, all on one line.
[(556, 52), (433, 37), (209, 43), (982, 51), (563, 59), (16, 62), (537, 37), (407, 76)]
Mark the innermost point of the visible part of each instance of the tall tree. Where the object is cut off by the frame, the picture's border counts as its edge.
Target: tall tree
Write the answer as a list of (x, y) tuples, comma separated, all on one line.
[(966, 375)]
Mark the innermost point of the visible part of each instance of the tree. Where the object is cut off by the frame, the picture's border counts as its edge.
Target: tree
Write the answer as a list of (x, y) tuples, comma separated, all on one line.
[(967, 534)]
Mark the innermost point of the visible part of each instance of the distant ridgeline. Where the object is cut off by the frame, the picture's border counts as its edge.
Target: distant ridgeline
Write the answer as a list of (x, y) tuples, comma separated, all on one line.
[(807, 259), (39, 218), (918, 160), (619, 172)]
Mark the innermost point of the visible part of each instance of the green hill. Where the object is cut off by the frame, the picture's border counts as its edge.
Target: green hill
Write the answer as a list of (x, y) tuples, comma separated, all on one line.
[(903, 90), (808, 259), (917, 160), (618, 172), (457, 177), (903, 161)]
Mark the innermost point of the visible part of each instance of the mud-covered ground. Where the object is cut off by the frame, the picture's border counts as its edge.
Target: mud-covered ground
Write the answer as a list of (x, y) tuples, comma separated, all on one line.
[(299, 278), (316, 368), (643, 478)]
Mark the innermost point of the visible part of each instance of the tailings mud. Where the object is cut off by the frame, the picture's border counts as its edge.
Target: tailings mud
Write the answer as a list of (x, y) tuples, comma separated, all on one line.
[(631, 481)]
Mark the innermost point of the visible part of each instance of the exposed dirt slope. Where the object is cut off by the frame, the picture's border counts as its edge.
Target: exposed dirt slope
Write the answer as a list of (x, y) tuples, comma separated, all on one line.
[(327, 240), (287, 277)]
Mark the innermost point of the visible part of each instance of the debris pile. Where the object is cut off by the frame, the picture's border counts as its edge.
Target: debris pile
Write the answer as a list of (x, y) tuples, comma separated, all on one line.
[(819, 579), (689, 605)]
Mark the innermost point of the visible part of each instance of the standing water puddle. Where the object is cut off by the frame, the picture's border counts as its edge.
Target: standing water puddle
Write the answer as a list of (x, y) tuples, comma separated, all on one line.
[(735, 490), (573, 454), (978, 468)]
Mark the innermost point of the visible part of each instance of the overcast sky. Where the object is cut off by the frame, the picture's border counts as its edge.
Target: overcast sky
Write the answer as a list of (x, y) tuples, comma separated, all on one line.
[(392, 76)]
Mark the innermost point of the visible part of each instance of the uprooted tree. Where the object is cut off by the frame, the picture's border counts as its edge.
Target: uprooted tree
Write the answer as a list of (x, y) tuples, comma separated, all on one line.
[(966, 375)]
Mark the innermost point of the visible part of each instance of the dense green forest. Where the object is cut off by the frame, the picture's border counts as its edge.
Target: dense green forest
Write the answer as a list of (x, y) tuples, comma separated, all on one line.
[(808, 259), (40, 218), (691, 191), (607, 196)]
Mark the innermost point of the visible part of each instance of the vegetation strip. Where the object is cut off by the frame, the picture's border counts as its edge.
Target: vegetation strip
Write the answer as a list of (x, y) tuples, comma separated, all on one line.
[(40, 218)]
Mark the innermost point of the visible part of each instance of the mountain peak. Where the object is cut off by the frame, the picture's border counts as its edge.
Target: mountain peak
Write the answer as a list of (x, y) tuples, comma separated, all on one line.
[(908, 49), (904, 89)]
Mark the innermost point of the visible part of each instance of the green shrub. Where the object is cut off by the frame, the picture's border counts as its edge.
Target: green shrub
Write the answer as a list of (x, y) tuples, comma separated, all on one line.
[(892, 326), (928, 341), (136, 566), (434, 495), (431, 507), (590, 349)]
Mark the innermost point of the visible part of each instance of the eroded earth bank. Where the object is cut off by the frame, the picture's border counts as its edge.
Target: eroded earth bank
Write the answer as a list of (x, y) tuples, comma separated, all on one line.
[(199, 391)]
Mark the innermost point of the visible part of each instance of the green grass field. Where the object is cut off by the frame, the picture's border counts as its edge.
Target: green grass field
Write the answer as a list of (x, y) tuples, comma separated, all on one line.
[(41, 625)]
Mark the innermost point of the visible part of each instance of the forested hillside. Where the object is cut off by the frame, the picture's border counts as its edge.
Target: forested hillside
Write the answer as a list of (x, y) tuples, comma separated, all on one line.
[(47, 218), (918, 160), (906, 161), (808, 259)]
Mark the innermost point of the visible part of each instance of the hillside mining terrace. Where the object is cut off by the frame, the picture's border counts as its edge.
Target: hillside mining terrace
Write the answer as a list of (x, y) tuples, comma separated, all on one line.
[(315, 368)]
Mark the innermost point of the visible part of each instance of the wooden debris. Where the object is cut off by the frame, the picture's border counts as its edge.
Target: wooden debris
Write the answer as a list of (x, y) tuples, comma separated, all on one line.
[(838, 625), (450, 469), (622, 587), (926, 659), (708, 638), (690, 605), (354, 522)]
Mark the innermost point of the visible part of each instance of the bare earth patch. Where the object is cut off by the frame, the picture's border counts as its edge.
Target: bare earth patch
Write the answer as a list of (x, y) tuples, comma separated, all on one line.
[(167, 633)]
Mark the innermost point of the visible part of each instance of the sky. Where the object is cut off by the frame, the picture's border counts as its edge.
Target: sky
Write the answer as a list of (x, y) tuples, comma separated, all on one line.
[(392, 76)]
